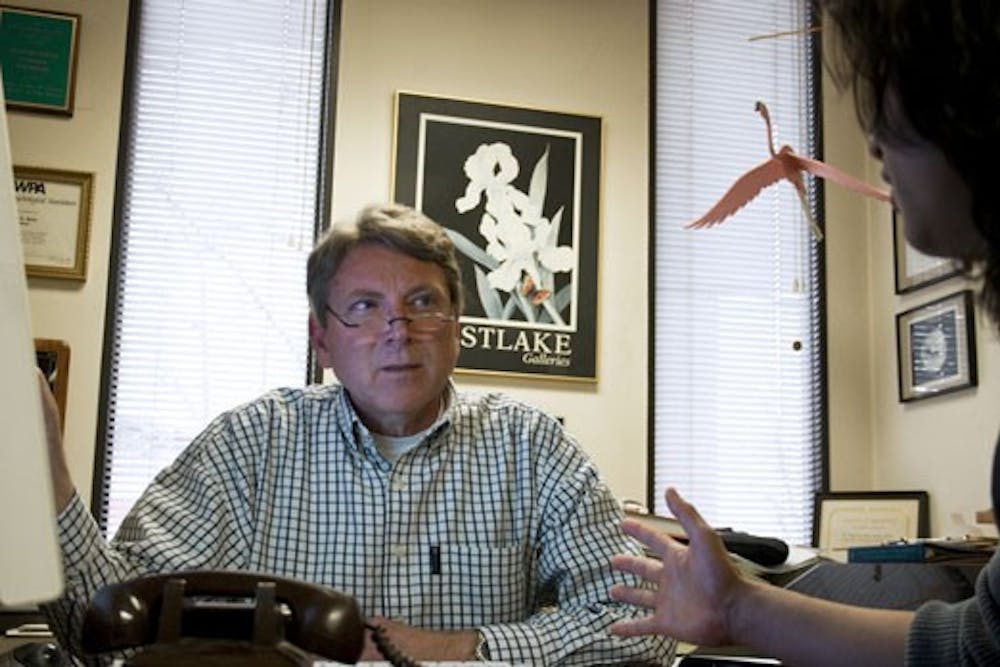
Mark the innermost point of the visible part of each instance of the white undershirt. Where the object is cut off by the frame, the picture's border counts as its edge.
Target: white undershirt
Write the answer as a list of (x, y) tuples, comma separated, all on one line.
[(392, 448)]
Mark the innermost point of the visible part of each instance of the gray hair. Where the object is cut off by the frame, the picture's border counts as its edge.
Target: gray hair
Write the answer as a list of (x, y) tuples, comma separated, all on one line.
[(392, 226)]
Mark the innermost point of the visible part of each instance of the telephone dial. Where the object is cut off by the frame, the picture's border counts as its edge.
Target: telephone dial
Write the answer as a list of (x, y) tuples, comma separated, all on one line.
[(214, 617)]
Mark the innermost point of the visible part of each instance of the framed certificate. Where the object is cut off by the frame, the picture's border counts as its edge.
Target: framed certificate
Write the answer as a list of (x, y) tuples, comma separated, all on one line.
[(53, 211), (866, 518), (38, 51)]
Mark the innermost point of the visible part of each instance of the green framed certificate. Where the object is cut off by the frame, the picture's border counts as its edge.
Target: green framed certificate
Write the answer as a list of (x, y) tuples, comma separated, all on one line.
[(38, 53)]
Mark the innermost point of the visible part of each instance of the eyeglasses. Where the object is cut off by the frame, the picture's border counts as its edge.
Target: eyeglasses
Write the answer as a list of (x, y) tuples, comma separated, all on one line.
[(374, 321)]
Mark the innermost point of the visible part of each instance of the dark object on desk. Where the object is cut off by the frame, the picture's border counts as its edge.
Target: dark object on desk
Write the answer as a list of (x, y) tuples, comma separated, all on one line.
[(888, 585), (766, 551), (724, 661), (35, 654), (202, 617)]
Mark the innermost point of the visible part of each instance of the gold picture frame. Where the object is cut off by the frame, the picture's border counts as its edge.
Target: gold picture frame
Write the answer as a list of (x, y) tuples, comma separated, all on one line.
[(847, 519), (53, 209)]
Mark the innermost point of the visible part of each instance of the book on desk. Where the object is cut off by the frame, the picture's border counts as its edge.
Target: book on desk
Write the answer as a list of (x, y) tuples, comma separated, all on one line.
[(940, 550)]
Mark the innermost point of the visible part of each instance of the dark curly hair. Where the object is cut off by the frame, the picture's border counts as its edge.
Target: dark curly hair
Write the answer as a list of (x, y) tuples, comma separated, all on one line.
[(941, 58)]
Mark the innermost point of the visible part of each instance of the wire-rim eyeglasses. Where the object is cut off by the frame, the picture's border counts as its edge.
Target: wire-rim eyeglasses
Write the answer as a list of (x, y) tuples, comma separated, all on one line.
[(375, 322)]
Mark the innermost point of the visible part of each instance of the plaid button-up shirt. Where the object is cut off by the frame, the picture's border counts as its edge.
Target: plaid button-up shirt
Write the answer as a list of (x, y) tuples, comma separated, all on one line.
[(497, 521)]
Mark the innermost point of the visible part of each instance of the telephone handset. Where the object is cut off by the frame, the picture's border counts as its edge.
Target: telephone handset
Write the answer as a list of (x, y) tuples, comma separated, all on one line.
[(264, 619)]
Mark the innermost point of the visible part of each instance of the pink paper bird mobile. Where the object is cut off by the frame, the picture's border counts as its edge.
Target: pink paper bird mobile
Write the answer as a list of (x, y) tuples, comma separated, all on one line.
[(782, 164)]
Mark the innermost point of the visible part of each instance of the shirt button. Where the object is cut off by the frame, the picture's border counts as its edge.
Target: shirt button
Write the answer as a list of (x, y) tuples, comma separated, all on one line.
[(398, 483), (398, 551)]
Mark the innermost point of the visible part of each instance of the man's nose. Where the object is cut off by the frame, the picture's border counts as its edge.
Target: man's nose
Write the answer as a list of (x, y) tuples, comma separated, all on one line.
[(398, 318)]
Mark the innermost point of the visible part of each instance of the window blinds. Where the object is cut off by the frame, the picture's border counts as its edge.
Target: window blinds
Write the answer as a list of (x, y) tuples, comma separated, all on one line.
[(217, 210), (737, 398)]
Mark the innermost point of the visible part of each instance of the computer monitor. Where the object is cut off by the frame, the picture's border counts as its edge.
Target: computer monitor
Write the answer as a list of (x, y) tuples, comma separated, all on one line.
[(30, 562)]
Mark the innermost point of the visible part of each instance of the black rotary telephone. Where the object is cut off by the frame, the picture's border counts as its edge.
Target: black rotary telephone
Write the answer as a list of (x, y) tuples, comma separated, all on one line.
[(211, 617)]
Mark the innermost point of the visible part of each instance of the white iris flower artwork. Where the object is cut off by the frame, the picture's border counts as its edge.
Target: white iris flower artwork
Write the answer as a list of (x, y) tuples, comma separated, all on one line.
[(516, 268)]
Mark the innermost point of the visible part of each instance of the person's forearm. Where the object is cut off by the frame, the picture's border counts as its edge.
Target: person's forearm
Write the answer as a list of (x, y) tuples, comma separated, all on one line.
[(808, 631), (62, 484)]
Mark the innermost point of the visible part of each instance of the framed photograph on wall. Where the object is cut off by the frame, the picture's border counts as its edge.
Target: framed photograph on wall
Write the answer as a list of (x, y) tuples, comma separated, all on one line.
[(53, 211), (518, 191), (937, 347), (52, 358), (866, 518), (38, 52), (914, 269)]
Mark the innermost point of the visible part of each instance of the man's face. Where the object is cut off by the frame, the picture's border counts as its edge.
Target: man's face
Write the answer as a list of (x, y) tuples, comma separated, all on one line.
[(395, 377)]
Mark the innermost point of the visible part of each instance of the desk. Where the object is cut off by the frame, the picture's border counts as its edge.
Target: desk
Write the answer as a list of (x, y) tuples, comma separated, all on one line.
[(889, 585), (878, 585)]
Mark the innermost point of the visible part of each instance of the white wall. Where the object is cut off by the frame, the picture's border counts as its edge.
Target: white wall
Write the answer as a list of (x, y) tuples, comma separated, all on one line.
[(578, 56), (88, 142)]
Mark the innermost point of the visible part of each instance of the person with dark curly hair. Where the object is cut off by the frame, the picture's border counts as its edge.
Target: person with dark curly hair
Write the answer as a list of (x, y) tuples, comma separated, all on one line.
[(927, 90)]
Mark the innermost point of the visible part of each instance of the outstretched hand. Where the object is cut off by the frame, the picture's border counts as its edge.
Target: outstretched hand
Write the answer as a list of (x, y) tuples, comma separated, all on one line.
[(694, 586)]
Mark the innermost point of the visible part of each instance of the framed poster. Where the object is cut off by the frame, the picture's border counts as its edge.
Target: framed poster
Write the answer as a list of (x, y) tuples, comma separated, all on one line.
[(38, 51), (518, 191), (53, 211), (914, 269), (937, 347), (865, 518)]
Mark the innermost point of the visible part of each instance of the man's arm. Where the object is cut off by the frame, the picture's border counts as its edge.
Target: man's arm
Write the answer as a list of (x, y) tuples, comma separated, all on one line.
[(699, 597), (421, 644), (62, 484), (579, 533), (188, 505)]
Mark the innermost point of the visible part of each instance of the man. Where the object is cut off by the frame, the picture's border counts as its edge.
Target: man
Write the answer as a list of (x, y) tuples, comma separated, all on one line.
[(468, 527)]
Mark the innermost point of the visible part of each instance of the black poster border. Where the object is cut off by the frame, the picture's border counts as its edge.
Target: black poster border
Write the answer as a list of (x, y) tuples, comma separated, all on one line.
[(528, 243)]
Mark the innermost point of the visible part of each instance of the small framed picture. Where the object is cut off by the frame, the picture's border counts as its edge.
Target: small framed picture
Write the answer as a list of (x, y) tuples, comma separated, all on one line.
[(53, 211), (914, 269), (52, 358), (937, 347), (865, 518), (38, 52)]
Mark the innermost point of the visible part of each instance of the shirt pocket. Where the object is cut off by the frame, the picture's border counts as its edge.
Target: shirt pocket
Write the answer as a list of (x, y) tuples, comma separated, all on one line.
[(484, 585)]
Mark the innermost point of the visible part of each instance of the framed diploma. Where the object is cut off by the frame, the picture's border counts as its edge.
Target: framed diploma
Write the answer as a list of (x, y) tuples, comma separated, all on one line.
[(866, 518), (53, 212)]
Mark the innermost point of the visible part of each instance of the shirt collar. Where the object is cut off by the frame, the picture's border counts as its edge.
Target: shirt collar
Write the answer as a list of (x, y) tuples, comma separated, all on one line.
[(358, 434)]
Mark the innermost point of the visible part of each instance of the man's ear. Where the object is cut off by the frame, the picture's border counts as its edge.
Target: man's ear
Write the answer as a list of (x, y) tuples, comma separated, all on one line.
[(458, 344), (317, 338)]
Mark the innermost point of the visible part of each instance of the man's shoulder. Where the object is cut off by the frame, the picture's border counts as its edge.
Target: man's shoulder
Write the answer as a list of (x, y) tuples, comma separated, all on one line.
[(495, 402), (294, 396), (284, 402)]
